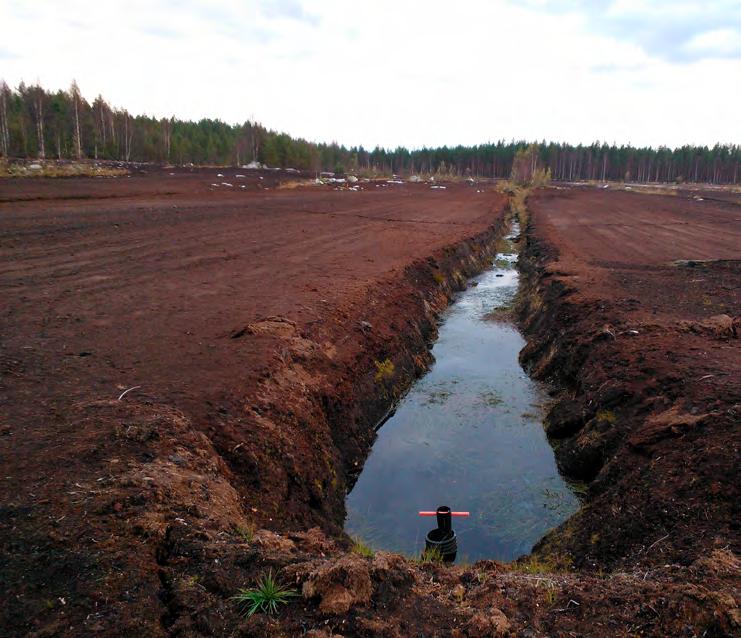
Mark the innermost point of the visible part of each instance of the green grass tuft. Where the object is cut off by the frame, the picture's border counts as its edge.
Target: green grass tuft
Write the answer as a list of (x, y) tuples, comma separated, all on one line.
[(265, 598), (432, 555), (245, 532), (361, 549), (535, 565)]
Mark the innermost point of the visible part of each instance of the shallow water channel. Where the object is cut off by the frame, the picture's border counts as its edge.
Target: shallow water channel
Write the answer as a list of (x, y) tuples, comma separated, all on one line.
[(468, 435)]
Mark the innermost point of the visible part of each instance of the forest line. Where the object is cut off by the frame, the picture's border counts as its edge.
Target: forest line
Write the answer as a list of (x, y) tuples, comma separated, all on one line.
[(36, 123)]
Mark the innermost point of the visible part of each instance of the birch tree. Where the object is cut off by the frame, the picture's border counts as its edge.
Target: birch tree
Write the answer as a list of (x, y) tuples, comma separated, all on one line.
[(74, 92), (4, 127), (37, 97)]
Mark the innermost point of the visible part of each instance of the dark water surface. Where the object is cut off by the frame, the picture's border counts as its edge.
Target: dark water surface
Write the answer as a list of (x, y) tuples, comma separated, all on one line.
[(468, 435)]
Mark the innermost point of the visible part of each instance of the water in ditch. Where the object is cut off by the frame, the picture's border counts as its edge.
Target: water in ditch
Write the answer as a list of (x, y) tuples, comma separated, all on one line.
[(468, 435)]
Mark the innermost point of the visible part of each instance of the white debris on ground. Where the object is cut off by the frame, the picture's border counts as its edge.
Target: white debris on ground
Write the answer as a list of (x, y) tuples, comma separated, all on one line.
[(415, 179), (394, 181), (254, 165), (216, 185), (219, 174), (238, 175), (352, 179), (226, 184), (438, 187)]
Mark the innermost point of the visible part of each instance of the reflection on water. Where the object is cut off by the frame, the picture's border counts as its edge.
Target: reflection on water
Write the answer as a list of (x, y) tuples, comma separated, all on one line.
[(468, 435)]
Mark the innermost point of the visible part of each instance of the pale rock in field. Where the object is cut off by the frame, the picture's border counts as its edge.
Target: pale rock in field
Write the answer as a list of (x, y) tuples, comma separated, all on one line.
[(352, 179)]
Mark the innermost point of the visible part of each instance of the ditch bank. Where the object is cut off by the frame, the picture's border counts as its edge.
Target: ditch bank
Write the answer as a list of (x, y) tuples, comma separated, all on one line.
[(647, 410), (313, 418)]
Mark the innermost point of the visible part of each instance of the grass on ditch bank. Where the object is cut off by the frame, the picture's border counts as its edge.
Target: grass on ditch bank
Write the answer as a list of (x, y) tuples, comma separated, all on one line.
[(265, 598)]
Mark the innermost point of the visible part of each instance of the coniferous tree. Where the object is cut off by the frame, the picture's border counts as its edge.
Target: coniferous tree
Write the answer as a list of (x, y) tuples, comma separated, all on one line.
[(37, 123)]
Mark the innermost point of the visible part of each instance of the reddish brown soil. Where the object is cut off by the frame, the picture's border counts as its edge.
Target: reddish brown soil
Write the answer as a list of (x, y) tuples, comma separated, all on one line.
[(253, 323), (635, 312), (257, 316)]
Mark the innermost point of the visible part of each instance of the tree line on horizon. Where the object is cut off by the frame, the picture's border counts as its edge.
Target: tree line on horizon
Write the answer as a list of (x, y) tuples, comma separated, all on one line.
[(36, 123)]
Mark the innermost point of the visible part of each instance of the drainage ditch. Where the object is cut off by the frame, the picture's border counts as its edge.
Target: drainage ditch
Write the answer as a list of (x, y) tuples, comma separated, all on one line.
[(468, 435)]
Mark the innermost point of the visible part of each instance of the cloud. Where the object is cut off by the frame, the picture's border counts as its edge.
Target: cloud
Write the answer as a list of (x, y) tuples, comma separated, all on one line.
[(6, 54), (388, 72), (724, 42), (290, 9), (159, 31), (674, 30)]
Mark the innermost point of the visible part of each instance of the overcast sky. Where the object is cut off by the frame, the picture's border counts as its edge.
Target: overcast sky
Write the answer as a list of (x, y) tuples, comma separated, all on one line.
[(399, 73)]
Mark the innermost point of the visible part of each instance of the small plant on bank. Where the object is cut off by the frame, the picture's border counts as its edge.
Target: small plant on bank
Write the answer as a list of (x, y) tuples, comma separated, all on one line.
[(535, 565), (265, 598), (384, 369), (361, 549), (550, 594), (430, 556), (606, 416), (438, 277), (245, 532)]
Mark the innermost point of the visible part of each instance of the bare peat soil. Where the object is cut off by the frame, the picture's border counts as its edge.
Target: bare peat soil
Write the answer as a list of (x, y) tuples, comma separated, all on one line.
[(633, 310), (251, 325), (265, 333)]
